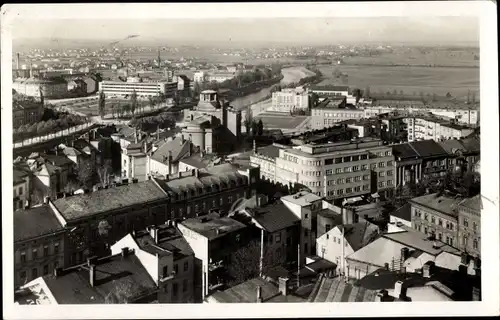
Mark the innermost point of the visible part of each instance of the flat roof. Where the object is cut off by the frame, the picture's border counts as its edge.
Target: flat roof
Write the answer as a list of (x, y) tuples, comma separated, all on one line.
[(85, 205), (301, 198), (209, 224)]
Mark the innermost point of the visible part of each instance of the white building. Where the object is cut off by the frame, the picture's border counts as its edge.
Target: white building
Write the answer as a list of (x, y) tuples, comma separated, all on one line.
[(423, 127), (149, 88), (288, 100)]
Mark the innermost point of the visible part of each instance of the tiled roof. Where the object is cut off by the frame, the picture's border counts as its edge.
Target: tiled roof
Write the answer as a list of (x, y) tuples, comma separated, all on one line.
[(56, 160), (197, 161), (169, 239), (474, 203), (35, 222), (337, 290), (274, 217), (209, 227), (112, 274), (359, 234), (84, 205), (440, 203), (428, 148)]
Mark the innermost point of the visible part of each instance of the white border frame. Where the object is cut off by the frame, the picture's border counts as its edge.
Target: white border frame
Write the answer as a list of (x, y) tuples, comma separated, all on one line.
[(486, 10)]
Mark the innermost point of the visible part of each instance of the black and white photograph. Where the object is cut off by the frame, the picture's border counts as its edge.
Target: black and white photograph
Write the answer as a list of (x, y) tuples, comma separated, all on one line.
[(206, 156)]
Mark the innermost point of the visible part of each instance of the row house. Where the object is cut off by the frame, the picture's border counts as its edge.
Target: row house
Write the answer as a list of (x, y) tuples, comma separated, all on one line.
[(38, 244), (469, 225)]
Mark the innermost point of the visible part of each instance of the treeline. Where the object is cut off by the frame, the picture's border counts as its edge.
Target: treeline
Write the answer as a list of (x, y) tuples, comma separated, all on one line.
[(150, 124), (52, 122)]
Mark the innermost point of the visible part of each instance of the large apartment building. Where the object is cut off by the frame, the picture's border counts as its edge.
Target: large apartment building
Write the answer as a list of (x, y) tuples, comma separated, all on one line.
[(149, 88), (331, 111), (427, 127), (338, 170)]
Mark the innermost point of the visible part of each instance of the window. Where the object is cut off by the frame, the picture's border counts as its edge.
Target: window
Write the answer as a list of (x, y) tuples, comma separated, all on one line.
[(34, 254), (364, 167), (474, 226), (389, 182), (426, 216), (174, 290), (347, 159), (34, 273), (277, 238), (46, 269), (355, 168), (433, 220), (357, 189), (363, 157), (355, 158), (366, 177), (475, 244), (176, 268), (56, 247), (306, 215), (389, 163), (381, 184), (221, 201), (358, 178), (45, 251), (425, 230), (22, 275), (381, 174), (381, 164), (328, 161), (338, 170), (347, 169), (466, 222), (365, 187), (306, 233), (21, 191), (230, 199), (184, 285), (440, 222), (186, 266), (389, 172), (338, 160), (23, 257), (440, 237), (348, 180), (327, 227), (348, 190), (387, 153)]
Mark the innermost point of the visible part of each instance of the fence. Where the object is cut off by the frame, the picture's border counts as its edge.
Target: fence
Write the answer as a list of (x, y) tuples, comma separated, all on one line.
[(50, 136)]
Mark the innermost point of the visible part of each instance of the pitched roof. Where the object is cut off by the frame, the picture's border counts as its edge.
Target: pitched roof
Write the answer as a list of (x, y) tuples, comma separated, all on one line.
[(404, 151), (56, 160), (178, 149), (359, 234), (270, 151), (113, 274), (451, 146), (475, 203), (403, 212), (84, 205), (170, 241), (428, 148), (440, 203), (19, 173), (197, 161), (472, 144), (71, 152), (274, 217), (337, 290), (35, 222)]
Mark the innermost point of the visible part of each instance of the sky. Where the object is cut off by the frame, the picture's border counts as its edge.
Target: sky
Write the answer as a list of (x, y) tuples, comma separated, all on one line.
[(261, 30)]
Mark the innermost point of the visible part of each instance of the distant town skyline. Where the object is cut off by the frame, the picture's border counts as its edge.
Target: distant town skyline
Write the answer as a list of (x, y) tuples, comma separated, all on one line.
[(314, 31)]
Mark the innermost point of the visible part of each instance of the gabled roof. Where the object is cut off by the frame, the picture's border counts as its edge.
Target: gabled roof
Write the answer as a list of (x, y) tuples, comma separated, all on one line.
[(274, 217), (112, 274), (35, 222), (197, 161), (179, 150), (56, 160), (71, 152), (471, 144), (359, 234)]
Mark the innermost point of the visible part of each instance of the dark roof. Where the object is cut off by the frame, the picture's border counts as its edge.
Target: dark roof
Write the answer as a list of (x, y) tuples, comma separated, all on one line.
[(197, 161), (385, 279), (440, 203), (274, 217), (270, 151), (329, 213), (404, 151), (209, 224), (474, 203), (84, 205), (359, 234), (428, 148), (451, 146), (330, 88), (35, 222), (112, 274), (472, 144), (176, 146), (336, 290), (56, 160), (403, 212), (18, 174), (170, 241)]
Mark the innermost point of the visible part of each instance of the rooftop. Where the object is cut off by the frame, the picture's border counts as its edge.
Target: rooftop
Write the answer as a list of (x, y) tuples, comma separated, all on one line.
[(246, 292), (274, 217), (329, 88), (475, 203), (451, 146), (404, 151), (337, 290), (85, 205), (270, 151), (302, 198), (440, 203), (176, 147), (170, 241), (403, 212), (428, 148), (113, 275), (212, 226), (359, 234), (198, 161), (35, 222)]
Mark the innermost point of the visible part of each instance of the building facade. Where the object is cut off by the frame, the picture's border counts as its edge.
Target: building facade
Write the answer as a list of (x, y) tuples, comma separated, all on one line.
[(290, 100), (150, 88), (433, 128), (469, 228)]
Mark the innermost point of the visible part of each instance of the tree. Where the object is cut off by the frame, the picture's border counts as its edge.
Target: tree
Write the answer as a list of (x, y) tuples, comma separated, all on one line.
[(86, 174), (104, 172), (133, 102), (102, 104), (395, 92), (357, 94), (248, 120), (260, 127), (245, 262), (448, 95)]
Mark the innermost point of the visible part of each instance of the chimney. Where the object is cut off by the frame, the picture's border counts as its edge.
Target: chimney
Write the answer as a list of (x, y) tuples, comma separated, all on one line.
[(259, 294), (258, 200), (17, 61), (381, 296), (476, 294), (158, 132), (462, 269), (145, 147), (179, 174), (283, 285), (125, 252), (400, 290), (46, 199), (153, 231), (57, 272), (405, 253), (135, 134), (92, 275)]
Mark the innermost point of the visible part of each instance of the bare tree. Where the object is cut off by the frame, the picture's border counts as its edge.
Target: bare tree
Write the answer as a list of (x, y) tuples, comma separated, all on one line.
[(104, 172), (245, 262)]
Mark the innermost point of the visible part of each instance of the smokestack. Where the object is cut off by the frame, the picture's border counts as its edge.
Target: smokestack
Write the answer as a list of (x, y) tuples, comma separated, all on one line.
[(259, 294), (124, 252), (400, 290), (57, 272), (17, 61)]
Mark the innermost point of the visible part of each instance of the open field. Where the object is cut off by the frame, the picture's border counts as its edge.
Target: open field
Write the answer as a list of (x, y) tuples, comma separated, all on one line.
[(410, 80), (275, 120)]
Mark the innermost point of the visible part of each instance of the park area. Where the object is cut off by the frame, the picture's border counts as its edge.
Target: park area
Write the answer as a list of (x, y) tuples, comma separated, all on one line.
[(410, 80)]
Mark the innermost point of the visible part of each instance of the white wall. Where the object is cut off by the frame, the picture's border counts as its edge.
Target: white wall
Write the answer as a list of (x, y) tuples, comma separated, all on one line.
[(329, 247)]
